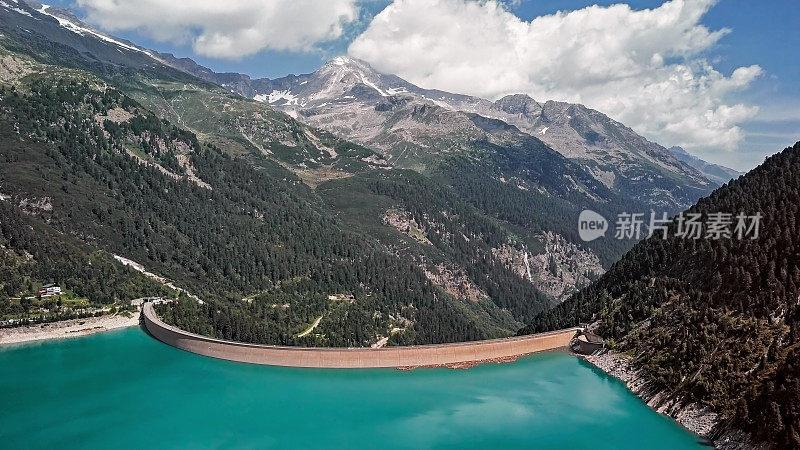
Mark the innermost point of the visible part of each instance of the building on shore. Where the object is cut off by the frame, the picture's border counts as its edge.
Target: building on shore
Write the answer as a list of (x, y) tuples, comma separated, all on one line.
[(49, 290), (586, 343)]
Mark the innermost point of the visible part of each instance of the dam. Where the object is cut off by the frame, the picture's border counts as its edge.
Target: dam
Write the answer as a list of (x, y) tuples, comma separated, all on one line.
[(356, 358)]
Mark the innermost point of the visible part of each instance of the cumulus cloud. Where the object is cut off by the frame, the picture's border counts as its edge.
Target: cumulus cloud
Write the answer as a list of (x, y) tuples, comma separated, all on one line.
[(228, 29), (645, 68)]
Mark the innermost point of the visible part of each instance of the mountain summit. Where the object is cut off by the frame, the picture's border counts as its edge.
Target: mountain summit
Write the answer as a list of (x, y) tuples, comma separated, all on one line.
[(334, 80), (410, 124)]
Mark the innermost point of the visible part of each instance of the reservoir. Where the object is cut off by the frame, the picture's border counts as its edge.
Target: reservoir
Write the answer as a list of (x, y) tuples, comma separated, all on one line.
[(124, 389)]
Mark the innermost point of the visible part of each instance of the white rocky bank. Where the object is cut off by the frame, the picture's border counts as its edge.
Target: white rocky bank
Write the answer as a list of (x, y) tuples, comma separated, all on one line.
[(696, 418)]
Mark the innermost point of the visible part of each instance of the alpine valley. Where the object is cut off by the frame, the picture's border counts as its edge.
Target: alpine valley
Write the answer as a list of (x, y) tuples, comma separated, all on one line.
[(350, 208), (382, 212)]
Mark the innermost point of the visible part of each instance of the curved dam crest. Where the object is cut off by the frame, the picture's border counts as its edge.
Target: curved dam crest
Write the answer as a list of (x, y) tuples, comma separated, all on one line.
[(355, 358)]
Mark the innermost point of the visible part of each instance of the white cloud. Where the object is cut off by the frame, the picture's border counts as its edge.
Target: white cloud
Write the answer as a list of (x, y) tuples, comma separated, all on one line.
[(228, 29), (644, 68)]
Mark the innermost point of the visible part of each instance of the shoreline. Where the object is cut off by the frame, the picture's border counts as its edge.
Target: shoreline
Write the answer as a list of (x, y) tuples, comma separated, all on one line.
[(67, 329), (698, 419)]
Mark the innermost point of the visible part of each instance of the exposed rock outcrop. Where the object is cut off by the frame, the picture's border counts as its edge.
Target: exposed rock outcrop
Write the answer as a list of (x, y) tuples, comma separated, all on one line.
[(696, 418), (455, 282), (559, 271), (404, 223)]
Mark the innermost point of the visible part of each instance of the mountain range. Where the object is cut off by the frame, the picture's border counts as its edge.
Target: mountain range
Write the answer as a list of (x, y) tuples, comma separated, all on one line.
[(419, 173), (347, 207), (407, 124), (713, 172), (410, 125)]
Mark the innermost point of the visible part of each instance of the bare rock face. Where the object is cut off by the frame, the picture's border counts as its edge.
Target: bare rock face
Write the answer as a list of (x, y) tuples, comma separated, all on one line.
[(455, 282), (116, 115), (13, 68), (561, 270), (404, 223), (36, 205)]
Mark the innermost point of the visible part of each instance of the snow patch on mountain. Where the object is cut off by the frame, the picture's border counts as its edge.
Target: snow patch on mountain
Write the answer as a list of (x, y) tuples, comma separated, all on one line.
[(277, 96), (77, 29), (15, 8)]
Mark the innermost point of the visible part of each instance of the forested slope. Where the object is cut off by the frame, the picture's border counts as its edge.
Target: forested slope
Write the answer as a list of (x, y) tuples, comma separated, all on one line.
[(524, 188), (253, 241), (33, 253), (714, 321), (532, 187)]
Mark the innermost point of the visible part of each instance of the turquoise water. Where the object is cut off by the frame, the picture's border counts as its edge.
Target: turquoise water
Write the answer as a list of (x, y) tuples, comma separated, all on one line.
[(123, 389)]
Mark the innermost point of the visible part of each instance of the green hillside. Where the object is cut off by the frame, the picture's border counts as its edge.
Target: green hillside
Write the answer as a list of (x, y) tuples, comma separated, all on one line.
[(714, 321), (260, 247), (33, 254)]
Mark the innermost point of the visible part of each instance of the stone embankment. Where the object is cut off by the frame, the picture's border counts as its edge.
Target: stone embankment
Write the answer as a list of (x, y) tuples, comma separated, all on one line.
[(698, 419), (441, 355)]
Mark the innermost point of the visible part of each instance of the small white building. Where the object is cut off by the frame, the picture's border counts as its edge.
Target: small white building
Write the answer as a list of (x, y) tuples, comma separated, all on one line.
[(49, 290)]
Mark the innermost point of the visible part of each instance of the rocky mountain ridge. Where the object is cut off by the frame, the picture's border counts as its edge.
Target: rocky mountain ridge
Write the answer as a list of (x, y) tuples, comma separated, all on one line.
[(410, 126), (714, 172), (352, 100)]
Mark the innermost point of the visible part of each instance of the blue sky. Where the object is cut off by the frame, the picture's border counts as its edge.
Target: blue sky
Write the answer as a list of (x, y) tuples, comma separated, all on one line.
[(761, 33)]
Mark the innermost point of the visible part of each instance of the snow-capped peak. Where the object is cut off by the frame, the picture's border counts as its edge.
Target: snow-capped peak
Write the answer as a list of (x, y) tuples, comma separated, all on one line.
[(345, 72), (343, 60), (340, 60), (343, 65)]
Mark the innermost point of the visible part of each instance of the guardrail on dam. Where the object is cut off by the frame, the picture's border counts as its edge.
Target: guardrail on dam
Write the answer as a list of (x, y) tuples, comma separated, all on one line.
[(352, 358)]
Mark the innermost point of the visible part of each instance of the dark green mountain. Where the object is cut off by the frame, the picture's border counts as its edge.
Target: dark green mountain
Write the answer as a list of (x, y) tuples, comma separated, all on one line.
[(714, 321)]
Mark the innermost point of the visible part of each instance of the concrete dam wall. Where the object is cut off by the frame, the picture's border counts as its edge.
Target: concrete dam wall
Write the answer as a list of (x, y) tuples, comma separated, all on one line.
[(352, 358)]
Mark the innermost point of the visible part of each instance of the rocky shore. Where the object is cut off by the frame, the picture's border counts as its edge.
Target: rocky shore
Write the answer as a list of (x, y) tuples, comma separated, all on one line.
[(696, 418), (67, 328)]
